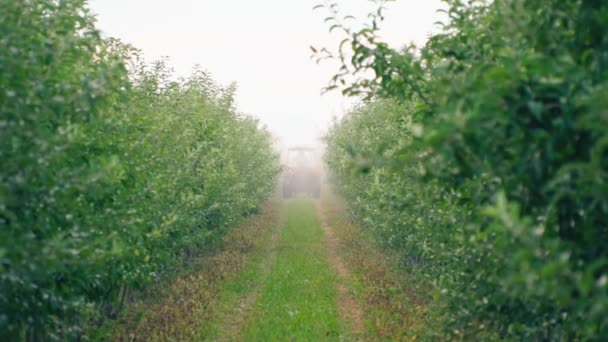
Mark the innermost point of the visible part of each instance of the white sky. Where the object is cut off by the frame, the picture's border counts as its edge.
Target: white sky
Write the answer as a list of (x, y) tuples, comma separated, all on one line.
[(262, 45)]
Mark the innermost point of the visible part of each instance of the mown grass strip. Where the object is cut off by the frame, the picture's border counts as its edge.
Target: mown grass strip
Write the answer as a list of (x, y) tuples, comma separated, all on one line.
[(238, 295), (298, 301)]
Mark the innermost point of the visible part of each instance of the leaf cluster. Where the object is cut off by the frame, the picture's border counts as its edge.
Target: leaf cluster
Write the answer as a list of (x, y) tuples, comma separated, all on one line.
[(111, 171), (482, 157)]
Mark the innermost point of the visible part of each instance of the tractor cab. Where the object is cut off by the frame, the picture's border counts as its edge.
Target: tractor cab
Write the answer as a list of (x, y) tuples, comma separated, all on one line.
[(302, 173)]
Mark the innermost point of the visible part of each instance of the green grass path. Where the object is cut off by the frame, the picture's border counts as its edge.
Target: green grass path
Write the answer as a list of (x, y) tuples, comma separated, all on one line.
[(297, 302)]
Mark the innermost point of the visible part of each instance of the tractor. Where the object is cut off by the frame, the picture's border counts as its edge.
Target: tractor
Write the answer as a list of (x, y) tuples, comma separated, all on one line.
[(302, 173)]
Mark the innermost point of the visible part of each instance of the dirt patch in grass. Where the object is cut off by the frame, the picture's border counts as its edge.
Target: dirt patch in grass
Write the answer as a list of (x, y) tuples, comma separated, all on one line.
[(348, 307), (395, 304)]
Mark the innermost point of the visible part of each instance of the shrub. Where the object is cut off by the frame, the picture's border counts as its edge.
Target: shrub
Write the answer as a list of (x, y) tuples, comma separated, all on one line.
[(111, 172), (498, 176)]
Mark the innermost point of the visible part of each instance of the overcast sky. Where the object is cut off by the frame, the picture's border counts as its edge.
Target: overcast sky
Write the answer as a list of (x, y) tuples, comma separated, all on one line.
[(262, 45)]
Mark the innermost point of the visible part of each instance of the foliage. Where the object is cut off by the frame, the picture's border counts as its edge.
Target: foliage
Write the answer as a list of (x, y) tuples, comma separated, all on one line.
[(483, 157), (108, 177)]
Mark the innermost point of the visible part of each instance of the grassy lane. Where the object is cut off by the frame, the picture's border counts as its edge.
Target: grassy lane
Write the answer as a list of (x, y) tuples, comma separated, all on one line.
[(237, 296), (298, 300)]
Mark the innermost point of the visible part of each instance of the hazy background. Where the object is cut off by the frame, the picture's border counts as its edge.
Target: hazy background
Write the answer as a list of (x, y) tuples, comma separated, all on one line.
[(262, 45)]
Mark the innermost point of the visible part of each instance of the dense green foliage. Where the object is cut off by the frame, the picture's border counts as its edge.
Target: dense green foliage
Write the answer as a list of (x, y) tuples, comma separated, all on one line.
[(483, 158), (109, 175)]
